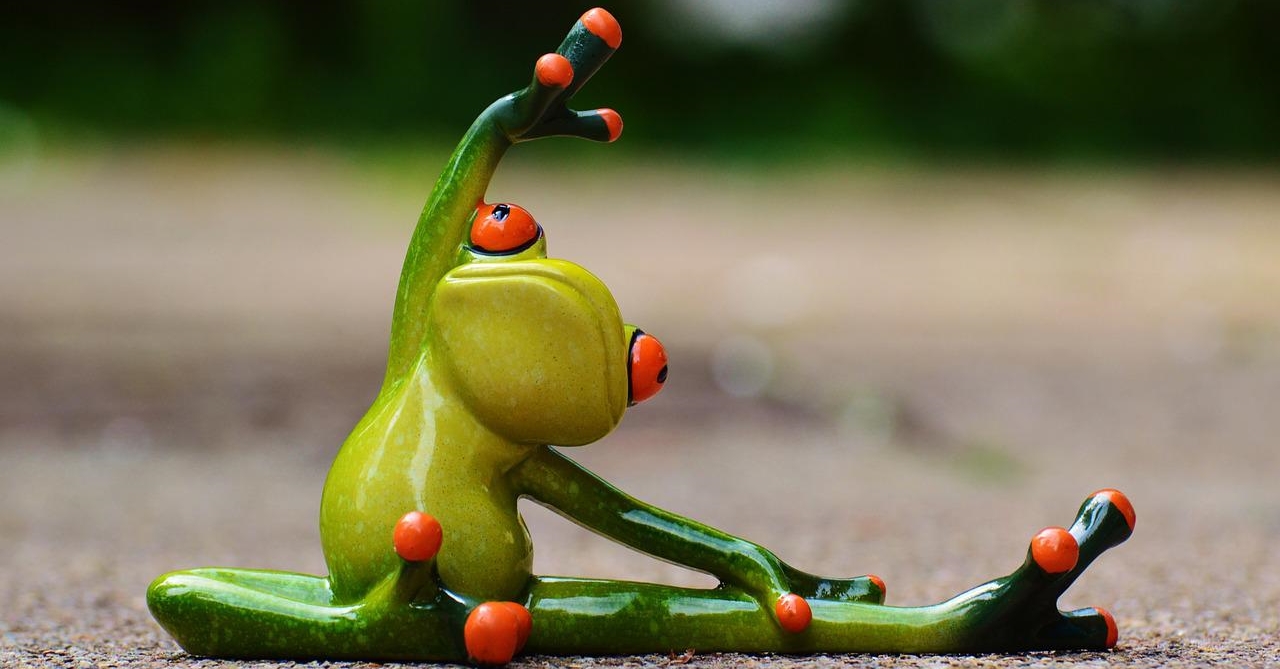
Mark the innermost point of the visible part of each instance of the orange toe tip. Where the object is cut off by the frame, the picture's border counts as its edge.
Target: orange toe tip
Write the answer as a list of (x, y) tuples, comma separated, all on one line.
[(1113, 632), (793, 613), (417, 537), (879, 583), (492, 633), (1055, 550), (602, 24), (613, 121), (554, 70), (1121, 502)]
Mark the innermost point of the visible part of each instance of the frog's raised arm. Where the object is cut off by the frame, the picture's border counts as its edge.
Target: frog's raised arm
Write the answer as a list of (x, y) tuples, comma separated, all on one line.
[(538, 110)]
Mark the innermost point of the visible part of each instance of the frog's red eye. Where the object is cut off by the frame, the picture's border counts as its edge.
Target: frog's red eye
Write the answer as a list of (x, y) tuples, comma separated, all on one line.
[(648, 368), (503, 228)]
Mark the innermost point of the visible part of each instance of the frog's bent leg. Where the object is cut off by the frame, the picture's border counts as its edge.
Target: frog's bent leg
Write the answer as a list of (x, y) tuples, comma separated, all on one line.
[(245, 613), (1017, 612), (218, 615)]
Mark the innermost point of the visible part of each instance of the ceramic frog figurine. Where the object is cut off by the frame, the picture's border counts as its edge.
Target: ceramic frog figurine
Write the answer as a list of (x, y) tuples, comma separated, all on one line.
[(497, 353)]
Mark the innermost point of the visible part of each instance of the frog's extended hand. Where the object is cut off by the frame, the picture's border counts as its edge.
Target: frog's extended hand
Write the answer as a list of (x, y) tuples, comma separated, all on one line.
[(541, 108), (538, 110)]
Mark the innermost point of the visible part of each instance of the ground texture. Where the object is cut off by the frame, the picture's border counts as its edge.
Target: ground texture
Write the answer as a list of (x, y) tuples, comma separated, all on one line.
[(901, 373)]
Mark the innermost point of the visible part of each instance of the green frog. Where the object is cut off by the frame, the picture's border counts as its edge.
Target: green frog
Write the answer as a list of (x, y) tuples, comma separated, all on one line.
[(500, 358)]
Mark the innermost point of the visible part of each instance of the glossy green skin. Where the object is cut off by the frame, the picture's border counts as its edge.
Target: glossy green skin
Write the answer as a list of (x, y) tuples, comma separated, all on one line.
[(491, 359)]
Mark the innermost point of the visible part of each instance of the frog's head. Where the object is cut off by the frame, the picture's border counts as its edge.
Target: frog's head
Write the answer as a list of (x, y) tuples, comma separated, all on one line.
[(536, 347)]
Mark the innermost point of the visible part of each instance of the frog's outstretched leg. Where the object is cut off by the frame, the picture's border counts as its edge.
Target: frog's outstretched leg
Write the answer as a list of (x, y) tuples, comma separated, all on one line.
[(1017, 612)]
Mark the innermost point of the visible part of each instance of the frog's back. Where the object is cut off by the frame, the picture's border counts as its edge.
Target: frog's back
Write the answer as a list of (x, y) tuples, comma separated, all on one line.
[(370, 485)]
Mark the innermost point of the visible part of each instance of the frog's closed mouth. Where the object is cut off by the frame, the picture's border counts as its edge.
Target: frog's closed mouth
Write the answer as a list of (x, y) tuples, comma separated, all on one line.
[(498, 355)]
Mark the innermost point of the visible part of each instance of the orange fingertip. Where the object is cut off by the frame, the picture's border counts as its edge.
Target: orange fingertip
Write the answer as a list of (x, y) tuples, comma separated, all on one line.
[(417, 536), (524, 623), (602, 24), (879, 583), (1055, 550), (1121, 503), (613, 121), (554, 70), (492, 633), (1113, 632), (793, 613)]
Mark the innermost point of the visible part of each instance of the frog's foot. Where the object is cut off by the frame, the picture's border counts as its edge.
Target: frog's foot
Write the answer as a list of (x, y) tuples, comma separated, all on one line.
[(1104, 521), (1020, 611)]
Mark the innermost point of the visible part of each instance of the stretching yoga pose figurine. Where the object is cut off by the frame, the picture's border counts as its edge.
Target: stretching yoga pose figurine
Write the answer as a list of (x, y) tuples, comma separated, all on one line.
[(497, 354)]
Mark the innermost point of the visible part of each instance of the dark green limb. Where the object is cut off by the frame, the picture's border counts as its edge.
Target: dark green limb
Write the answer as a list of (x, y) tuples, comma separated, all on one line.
[(592, 125), (573, 617)]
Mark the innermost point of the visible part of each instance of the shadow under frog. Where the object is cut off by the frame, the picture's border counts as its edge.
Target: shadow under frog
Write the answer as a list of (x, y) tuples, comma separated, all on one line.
[(496, 352)]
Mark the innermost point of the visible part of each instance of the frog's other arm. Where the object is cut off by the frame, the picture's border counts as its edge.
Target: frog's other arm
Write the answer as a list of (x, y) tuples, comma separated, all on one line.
[(587, 616), (539, 110), (554, 480)]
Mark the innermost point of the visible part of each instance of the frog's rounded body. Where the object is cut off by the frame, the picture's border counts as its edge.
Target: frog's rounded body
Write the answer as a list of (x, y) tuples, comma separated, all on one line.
[(417, 449), (443, 439)]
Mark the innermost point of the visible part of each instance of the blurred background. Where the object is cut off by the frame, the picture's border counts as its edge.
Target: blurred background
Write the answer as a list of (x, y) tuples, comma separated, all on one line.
[(929, 272), (1110, 79)]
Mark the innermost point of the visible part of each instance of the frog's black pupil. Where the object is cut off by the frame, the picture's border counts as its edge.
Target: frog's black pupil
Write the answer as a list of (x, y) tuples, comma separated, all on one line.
[(500, 212), (662, 374)]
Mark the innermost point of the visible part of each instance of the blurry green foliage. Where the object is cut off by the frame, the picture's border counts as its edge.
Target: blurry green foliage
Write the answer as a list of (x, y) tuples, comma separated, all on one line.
[(1165, 79)]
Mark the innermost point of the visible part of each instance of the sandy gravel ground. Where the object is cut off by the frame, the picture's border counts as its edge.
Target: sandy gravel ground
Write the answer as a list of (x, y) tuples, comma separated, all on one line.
[(898, 372)]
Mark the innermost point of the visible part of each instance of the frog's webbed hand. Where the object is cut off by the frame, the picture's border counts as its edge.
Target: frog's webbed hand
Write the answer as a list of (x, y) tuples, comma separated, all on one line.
[(540, 109), (567, 488)]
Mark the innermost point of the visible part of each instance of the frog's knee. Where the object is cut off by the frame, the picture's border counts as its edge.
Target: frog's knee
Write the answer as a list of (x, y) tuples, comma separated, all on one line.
[(166, 590), (175, 601)]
